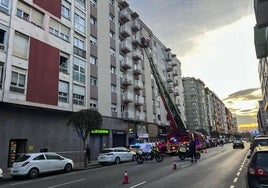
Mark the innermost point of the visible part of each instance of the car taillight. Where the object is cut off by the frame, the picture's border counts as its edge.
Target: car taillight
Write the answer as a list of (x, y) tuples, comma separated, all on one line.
[(26, 163), (254, 171)]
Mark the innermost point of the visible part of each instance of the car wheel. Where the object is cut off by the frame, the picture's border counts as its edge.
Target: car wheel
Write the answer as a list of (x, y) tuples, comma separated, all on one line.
[(68, 168), (117, 160), (33, 173)]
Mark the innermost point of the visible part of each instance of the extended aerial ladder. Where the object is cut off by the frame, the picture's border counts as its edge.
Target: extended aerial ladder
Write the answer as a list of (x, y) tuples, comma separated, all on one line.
[(173, 113)]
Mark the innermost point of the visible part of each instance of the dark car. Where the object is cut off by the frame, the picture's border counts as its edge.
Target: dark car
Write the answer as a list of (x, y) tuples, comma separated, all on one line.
[(257, 172), (262, 141), (238, 144)]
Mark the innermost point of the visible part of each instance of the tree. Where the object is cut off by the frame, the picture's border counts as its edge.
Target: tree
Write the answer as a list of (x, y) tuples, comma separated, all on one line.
[(83, 122)]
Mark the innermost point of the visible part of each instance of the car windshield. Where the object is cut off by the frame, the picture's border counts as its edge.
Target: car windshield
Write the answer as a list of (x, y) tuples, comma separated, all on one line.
[(22, 158), (262, 159), (237, 141)]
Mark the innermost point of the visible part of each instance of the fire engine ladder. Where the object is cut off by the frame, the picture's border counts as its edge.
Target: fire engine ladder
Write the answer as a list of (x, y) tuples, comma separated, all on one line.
[(173, 111)]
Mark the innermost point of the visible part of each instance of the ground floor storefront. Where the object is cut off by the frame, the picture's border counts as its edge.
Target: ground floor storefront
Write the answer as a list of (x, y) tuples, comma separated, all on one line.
[(24, 129)]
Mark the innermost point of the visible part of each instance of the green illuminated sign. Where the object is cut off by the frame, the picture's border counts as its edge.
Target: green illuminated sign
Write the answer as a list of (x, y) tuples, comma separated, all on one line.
[(99, 131)]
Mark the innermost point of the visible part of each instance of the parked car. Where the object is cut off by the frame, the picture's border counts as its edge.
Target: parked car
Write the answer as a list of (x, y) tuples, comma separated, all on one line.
[(257, 171), (33, 164), (262, 141), (1, 173), (115, 155), (238, 144)]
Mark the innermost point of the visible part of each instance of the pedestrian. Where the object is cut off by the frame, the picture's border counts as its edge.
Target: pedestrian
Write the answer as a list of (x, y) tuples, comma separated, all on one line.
[(88, 150), (192, 150)]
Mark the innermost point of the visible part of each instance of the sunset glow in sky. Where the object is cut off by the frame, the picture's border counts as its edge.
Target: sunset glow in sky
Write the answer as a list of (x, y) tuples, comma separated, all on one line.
[(214, 40)]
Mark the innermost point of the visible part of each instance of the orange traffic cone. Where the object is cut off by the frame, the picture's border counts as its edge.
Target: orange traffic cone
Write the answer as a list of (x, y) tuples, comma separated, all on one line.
[(174, 166), (125, 180)]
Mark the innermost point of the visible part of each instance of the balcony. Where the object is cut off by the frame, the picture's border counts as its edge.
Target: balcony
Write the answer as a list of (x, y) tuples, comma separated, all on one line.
[(125, 46), (170, 89), (168, 56), (136, 26), (261, 42), (137, 55), (124, 16), (123, 4), (174, 63), (261, 12), (126, 63), (137, 70), (175, 73), (176, 93), (169, 68), (125, 31), (176, 83), (139, 101), (126, 80), (138, 85), (128, 97), (136, 39), (169, 79)]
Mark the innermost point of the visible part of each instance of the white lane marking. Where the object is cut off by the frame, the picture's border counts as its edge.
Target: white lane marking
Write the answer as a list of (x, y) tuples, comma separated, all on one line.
[(186, 165), (238, 173), (232, 186), (240, 169), (235, 180), (138, 184), (67, 183)]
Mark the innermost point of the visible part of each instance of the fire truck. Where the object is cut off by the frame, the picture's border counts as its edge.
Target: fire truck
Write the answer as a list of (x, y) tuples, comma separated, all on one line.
[(179, 133)]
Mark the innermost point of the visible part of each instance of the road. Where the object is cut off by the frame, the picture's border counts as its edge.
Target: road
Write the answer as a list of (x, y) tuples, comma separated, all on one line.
[(221, 167)]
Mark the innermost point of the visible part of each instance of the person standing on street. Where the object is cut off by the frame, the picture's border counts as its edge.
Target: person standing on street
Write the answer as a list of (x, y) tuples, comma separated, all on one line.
[(88, 150), (192, 150)]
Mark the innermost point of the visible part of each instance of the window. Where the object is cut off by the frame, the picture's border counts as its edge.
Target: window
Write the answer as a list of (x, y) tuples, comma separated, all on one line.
[(113, 108), (93, 60), (79, 43), (4, 4), (52, 157), (113, 88), (64, 63), (59, 30), (93, 103), (93, 81), (63, 91), (93, 20), (65, 9), (112, 34), (93, 40), (30, 14), (79, 23), (93, 3), (20, 45), (79, 95), (81, 4), (112, 51), (113, 69), (79, 70), (18, 78), (1, 74), (2, 39), (111, 17)]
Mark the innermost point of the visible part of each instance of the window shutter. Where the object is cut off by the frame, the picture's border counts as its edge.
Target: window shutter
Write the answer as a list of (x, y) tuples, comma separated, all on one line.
[(37, 17)]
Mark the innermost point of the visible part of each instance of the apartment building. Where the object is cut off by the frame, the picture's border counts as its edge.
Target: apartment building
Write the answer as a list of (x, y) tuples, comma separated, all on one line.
[(58, 57), (261, 48), (205, 111)]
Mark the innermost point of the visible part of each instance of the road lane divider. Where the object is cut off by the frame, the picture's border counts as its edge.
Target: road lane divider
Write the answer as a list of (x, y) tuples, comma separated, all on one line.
[(67, 183)]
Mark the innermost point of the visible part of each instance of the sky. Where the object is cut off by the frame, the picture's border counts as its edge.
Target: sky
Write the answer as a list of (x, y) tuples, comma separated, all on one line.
[(214, 40)]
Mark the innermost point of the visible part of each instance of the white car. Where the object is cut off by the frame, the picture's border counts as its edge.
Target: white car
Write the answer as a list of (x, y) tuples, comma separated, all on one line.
[(116, 155), (1, 173), (33, 164)]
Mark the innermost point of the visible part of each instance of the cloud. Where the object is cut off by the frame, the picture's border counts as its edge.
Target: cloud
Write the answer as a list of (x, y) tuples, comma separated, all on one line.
[(244, 106)]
